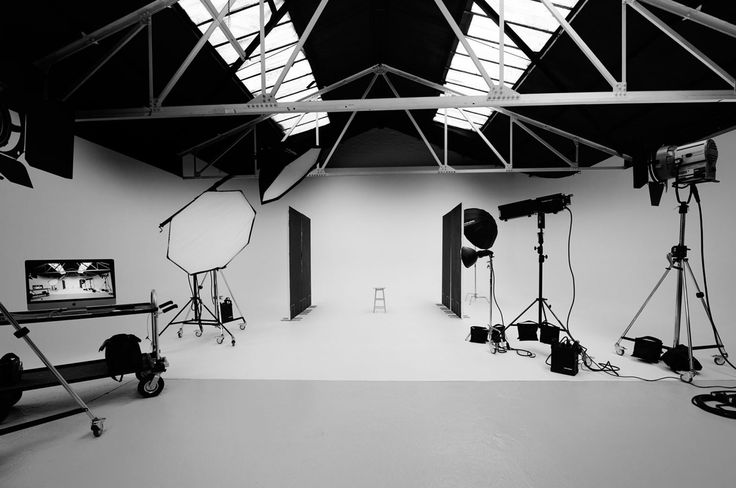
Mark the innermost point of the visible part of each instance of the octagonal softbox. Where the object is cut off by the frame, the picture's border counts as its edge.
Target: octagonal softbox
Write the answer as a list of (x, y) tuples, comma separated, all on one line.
[(209, 232)]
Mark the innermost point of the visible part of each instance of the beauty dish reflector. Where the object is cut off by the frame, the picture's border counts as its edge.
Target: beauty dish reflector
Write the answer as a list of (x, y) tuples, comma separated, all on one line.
[(479, 228), (209, 232)]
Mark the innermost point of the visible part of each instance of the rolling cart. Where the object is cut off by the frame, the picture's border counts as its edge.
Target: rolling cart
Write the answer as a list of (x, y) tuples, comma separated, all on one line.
[(150, 381)]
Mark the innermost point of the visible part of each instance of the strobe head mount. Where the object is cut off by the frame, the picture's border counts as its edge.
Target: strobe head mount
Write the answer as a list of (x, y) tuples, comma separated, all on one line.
[(688, 164), (542, 205)]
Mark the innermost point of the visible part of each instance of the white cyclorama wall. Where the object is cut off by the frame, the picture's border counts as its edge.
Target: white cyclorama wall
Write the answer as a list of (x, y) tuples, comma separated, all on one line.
[(372, 231)]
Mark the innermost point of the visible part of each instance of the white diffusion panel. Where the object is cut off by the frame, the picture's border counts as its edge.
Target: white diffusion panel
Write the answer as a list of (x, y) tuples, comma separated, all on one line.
[(209, 232)]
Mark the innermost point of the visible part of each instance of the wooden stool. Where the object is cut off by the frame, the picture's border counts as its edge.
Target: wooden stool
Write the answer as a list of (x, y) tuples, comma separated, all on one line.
[(379, 300)]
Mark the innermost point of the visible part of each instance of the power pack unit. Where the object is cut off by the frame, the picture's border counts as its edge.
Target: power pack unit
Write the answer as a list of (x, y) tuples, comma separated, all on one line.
[(647, 349), (564, 358)]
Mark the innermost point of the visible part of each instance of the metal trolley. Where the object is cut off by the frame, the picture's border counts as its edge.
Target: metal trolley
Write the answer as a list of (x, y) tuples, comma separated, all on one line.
[(150, 381)]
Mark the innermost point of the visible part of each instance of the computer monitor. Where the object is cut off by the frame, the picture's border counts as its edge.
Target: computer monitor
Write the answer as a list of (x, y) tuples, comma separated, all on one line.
[(69, 283)]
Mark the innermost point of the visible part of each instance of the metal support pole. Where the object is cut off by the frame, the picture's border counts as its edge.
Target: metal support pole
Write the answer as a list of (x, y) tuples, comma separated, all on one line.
[(112, 52), (540, 252), (680, 273), (694, 15), (413, 121), (623, 42), (461, 37), (501, 41), (302, 39), (581, 44), (262, 34), (22, 333)]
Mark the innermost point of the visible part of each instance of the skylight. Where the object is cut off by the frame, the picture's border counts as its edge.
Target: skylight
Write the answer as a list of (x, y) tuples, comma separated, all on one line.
[(242, 19), (533, 23)]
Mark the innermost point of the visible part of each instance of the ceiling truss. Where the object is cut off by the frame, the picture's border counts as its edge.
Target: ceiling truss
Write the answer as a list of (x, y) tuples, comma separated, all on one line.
[(499, 97)]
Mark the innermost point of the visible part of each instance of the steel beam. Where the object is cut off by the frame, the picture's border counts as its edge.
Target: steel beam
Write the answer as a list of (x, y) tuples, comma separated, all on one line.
[(415, 103), (347, 124), (695, 15), (582, 45), (134, 17), (483, 137), (461, 37), (255, 43), (192, 54), (302, 39), (545, 143), (413, 121), (112, 52), (224, 28), (700, 56), (509, 113)]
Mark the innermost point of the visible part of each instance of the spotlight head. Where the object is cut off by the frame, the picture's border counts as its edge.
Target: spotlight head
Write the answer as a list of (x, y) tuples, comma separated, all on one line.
[(479, 228), (527, 208), (687, 164)]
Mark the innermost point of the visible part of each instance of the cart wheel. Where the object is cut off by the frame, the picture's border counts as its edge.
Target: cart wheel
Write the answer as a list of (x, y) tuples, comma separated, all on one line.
[(198, 333), (97, 427), (150, 387), (719, 360), (242, 326), (687, 376), (220, 339), (233, 342), (619, 349), (179, 333), (4, 410), (13, 397)]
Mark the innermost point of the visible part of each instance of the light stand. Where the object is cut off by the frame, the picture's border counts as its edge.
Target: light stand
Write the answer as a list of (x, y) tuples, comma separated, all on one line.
[(474, 296), (540, 301), (677, 259), (199, 308)]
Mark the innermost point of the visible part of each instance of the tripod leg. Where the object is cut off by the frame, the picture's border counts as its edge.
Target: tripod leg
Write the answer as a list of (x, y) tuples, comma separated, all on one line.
[(688, 376), (554, 315), (619, 348), (523, 312), (706, 307)]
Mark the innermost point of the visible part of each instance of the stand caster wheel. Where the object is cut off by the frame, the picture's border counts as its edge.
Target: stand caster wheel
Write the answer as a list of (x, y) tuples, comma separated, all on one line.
[(242, 326), (687, 376), (233, 342), (619, 349), (220, 340), (179, 333), (151, 387), (198, 333), (97, 427), (719, 360)]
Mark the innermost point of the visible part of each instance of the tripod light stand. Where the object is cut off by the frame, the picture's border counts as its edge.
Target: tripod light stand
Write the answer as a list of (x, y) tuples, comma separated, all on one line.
[(678, 260), (474, 295), (526, 208), (204, 236), (481, 230)]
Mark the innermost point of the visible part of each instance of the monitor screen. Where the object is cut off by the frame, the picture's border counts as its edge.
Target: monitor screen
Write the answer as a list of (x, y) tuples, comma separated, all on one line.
[(69, 283)]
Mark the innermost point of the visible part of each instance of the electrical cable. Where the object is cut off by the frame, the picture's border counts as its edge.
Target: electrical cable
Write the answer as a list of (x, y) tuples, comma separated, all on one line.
[(572, 273), (494, 299), (709, 312)]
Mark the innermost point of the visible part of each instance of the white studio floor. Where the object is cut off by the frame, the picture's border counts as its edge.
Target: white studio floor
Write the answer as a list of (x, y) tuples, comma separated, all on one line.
[(346, 398)]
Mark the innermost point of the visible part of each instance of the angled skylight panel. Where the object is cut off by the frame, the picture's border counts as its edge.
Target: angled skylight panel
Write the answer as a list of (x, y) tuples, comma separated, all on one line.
[(242, 18), (529, 19)]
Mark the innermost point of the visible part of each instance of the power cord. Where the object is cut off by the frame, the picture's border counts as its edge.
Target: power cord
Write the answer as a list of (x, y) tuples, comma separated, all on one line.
[(572, 273)]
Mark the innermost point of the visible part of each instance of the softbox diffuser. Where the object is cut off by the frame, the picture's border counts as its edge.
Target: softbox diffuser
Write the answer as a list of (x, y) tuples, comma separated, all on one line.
[(282, 169), (209, 232)]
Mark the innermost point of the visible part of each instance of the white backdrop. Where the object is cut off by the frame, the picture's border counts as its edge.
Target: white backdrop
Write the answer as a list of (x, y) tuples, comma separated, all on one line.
[(372, 231)]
